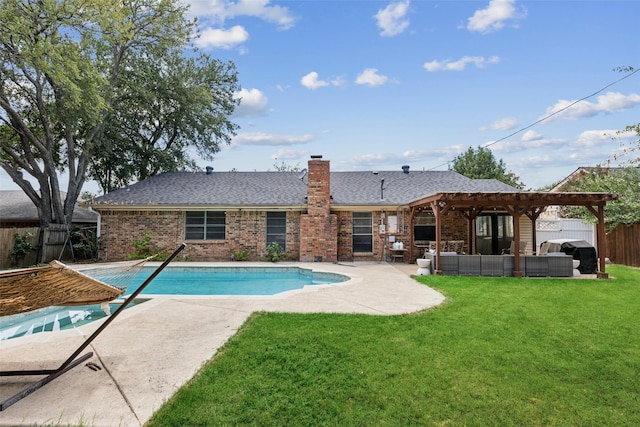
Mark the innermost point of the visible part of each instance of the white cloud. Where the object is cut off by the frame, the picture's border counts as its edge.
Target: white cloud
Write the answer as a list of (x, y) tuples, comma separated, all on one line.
[(221, 38), (506, 123), (338, 82), (531, 135), (312, 81), (371, 77), (530, 140), (608, 103), (252, 103), (392, 19), (493, 17), (460, 64), (260, 138), (219, 10), (382, 161), (531, 162), (590, 157), (286, 154), (592, 138)]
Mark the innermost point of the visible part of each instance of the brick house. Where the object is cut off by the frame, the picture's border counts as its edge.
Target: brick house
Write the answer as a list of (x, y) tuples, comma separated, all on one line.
[(315, 215)]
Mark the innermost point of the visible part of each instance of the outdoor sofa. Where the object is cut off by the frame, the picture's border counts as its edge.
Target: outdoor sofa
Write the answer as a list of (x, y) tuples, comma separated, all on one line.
[(453, 264)]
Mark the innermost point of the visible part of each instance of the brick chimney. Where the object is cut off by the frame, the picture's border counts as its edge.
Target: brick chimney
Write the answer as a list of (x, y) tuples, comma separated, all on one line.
[(319, 186), (318, 227)]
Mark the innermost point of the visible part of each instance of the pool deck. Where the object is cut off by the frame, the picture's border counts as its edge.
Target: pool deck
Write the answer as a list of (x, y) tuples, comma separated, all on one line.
[(152, 349)]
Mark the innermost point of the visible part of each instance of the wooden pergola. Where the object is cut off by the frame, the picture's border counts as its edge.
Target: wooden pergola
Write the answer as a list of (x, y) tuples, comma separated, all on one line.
[(516, 204)]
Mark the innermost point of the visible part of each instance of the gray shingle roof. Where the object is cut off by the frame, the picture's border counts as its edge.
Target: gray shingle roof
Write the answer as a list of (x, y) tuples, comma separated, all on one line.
[(219, 188), (15, 205), (364, 188), (286, 188)]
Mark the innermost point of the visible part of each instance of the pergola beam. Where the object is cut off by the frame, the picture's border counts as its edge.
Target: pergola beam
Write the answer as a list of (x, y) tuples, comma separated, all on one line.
[(601, 238)]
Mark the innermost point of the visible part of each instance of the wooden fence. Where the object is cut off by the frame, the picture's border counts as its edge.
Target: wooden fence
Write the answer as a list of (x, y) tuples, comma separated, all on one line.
[(54, 245), (623, 245), (6, 244)]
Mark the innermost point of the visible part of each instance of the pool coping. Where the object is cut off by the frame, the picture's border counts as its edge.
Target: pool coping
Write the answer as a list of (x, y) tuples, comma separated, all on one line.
[(152, 349)]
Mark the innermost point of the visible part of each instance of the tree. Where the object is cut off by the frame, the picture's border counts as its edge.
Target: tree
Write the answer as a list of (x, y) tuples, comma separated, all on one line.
[(480, 163), (285, 167), (184, 104), (72, 75), (625, 182), (633, 147)]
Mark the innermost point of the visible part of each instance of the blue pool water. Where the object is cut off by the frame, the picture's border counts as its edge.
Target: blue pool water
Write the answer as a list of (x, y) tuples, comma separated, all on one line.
[(226, 280), (171, 281), (52, 319)]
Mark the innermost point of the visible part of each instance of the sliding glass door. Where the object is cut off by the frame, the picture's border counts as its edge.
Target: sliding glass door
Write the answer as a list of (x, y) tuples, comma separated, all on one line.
[(494, 233)]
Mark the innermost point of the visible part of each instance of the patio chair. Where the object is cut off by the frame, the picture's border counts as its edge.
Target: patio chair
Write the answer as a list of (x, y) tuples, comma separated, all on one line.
[(544, 248), (456, 246), (443, 245), (512, 248)]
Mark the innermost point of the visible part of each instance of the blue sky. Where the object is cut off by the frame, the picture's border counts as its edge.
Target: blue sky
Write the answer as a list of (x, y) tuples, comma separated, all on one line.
[(374, 85)]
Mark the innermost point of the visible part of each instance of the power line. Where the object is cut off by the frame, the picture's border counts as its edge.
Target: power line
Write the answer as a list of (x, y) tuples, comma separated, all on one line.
[(552, 114)]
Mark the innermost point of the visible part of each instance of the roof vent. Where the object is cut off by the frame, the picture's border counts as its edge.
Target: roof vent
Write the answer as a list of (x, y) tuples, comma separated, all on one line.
[(405, 168), (209, 170)]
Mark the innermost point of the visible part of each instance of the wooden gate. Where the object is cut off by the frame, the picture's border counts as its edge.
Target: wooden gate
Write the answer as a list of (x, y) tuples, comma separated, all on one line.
[(54, 243)]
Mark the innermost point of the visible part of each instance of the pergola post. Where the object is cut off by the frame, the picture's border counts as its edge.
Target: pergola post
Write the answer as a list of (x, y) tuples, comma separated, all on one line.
[(602, 241), (412, 213), (435, 207), (533, 215), (516, 212), (471, 217)]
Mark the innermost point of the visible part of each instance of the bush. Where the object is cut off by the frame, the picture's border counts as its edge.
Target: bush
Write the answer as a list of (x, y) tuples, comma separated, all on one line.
[(274, 252), (144, 248), (240, 255), (21, 247), (86, 243)]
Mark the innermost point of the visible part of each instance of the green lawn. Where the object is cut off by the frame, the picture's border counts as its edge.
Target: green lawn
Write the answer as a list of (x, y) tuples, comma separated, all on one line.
[(500, 351)]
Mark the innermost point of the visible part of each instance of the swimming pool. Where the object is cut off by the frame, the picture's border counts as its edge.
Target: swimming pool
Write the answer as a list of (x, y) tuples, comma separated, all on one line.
[(51, 319), (174, 280)]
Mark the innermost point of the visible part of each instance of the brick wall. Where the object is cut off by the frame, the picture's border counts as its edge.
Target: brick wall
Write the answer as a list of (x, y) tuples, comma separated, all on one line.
[(325, 235), (454, 227), (245, 230), (120, 228), (345, 234)]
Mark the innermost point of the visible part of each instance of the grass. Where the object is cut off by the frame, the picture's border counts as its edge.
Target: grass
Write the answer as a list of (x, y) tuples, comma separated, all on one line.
[(500, 351)]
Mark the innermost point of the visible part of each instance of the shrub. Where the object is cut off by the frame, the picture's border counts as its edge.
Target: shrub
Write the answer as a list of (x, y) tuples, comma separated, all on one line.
[(274, 252), (144, 248), (86, 243), (240, 255), (21, 247)]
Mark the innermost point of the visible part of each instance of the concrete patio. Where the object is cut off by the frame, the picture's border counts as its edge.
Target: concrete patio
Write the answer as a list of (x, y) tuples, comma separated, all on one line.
[(153, 348)]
